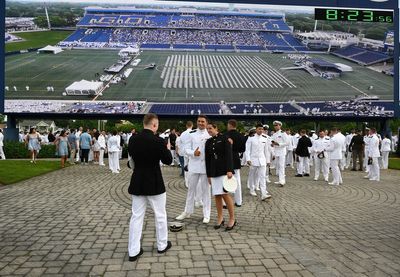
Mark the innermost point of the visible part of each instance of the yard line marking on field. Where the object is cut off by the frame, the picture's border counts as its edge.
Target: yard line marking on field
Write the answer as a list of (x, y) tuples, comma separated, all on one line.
[(8, 68), (353, 87)]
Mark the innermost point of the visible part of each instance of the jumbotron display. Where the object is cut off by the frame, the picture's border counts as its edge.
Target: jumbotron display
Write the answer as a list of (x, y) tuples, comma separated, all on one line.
[(229, 60)]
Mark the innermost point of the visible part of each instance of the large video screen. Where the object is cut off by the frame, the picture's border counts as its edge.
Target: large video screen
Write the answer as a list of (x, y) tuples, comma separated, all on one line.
[(187, 58)]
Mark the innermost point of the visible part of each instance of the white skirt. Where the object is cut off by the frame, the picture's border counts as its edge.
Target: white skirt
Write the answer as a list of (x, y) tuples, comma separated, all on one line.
[(217, 187)]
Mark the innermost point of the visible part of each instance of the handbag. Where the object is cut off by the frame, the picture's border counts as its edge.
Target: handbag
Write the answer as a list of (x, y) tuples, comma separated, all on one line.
[(370, 161), (321, 155)]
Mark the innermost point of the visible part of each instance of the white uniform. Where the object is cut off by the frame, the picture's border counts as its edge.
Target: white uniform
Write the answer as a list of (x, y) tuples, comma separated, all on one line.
[(279, 152), (1, 146), (366, 142), (335, 150), (342, 162), (102, 144), (289, 154), (184, 140), (78, 147), (113, 153), (373, 152), (321, 164), (385, 148), (258, 151), (394, 142), (349, 156), (197, 176)]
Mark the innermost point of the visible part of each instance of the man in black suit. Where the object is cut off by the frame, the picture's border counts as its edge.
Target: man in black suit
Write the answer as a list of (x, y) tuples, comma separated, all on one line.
[(303, 154), (238, 142), (147, 185)]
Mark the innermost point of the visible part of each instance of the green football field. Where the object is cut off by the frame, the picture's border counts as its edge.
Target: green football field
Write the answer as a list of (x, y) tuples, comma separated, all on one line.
[(41, 70)]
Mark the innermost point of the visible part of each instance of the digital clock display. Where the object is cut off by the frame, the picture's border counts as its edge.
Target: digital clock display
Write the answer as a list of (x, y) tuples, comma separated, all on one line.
[(354, 15)]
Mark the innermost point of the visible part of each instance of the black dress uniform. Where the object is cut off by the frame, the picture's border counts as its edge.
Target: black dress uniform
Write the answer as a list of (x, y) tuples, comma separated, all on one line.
[(147, 187), (218, 158), (147, 150), (238, 147)]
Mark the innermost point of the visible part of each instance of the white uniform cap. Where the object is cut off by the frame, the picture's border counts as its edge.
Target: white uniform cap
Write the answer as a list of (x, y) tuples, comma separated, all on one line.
[(276, 122), (266, 126), (167, 131)]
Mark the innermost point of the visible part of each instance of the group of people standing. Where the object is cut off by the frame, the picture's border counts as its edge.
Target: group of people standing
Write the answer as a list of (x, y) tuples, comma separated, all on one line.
[(208, 158)]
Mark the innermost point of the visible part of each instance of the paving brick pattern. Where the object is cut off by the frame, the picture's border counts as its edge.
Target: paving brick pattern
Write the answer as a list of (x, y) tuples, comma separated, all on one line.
[(74, 222)]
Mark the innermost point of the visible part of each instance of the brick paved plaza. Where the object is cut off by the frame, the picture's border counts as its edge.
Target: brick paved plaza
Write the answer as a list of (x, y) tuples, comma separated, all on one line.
[(74, 222)]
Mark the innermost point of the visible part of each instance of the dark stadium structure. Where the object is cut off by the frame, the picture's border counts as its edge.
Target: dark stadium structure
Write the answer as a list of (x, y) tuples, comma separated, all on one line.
[(183, 30), (361, 55)]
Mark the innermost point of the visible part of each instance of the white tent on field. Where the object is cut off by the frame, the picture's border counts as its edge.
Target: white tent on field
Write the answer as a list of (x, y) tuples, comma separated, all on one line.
[(50, 49), (84, 87)]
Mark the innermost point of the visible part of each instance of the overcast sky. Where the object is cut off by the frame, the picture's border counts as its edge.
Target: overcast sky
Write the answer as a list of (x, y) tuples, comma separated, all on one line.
[(133, 2)]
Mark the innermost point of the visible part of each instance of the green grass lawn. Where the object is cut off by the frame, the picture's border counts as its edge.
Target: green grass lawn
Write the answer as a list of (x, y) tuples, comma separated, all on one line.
[(36, 39), (394, 163), (12, 171)]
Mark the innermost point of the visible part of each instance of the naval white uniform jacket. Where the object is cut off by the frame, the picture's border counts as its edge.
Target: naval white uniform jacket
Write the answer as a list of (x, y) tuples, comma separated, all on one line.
[(335, 147), (197, 139), (283, 140), (373, 147), (258, 150)]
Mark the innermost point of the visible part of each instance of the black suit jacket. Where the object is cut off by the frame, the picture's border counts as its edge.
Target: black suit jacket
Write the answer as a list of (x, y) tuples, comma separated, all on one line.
[(238, 146), (218, 155), (147, 150), (302, 147)]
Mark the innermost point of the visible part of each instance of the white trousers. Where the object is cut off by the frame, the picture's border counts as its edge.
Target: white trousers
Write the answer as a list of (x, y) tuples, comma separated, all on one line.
[(280, 168), (303, 166), (198, 181), (258, 179), (366, 161), (374, 170), (385, 159), (238, 192), (2, 153), (78, 155), (289, 158), (321, 165), (90, 158), (174, 157), (336, 174), (101, 157), (250, 177), (342, 162), (349, 159), (113, 161), (139, 205)]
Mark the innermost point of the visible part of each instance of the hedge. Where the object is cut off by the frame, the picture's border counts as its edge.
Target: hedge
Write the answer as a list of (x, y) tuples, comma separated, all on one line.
[(18, 150)]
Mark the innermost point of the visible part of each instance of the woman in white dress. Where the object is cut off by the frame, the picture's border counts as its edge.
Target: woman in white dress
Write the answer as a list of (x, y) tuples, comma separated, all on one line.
[(113, 152), (103, 147)]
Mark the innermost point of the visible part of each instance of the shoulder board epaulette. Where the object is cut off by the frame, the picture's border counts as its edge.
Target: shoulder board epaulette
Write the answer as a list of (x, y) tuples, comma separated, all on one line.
[(264, 136), (327, 138), (193, 131)]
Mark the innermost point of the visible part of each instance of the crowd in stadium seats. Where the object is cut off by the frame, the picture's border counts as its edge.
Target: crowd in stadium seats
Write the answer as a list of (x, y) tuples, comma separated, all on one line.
[(132, 107), (160, 38), (328, 108), (361, 55), (174, 20), (155, 29), (84, 107)]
